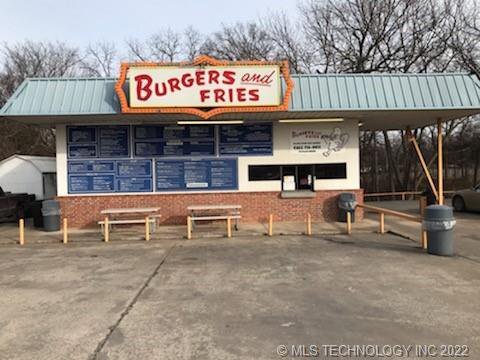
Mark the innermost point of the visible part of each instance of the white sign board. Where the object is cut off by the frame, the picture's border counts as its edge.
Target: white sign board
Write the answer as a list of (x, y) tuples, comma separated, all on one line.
[(207, 86), (316, 141)]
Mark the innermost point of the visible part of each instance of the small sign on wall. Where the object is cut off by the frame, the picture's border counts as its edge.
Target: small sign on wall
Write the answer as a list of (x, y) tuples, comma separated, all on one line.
[(316, 141)]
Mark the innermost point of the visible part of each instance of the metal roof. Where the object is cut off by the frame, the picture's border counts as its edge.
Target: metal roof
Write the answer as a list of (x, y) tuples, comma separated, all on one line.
[(446, 95)]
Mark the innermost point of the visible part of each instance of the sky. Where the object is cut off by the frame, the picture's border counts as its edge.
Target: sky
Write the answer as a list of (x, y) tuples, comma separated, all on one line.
[(88, 21)]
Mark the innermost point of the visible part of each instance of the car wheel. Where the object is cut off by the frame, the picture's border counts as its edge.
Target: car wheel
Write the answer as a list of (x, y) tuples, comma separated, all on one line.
[(458, 204)]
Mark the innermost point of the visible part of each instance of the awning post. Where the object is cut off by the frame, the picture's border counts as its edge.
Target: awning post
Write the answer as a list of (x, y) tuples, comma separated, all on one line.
[(412, 139), (440, 161)]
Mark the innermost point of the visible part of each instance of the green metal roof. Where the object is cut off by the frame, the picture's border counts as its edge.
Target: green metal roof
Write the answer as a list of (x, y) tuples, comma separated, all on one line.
[(78, 96), (364, 96)]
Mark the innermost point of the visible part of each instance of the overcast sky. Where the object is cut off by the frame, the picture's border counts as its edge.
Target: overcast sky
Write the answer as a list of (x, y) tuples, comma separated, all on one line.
[(80, 22)]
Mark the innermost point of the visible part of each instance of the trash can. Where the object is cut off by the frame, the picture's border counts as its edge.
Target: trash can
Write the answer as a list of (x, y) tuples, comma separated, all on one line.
[(36, 213), (439, 222), (51, 215), (346, 203)]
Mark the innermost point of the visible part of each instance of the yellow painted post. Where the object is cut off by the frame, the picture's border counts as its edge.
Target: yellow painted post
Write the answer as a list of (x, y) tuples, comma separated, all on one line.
[(147, 228), (440, 161), (349, 223), (189, 228), (65, 231), (21, 228), (229, 227), (270, 225), (424, 239), (382, 223), (309, 224), (106, 234)]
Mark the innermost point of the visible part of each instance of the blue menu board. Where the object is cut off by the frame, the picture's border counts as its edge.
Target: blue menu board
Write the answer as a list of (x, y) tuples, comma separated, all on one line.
[(109, 176), (196, 174), (134, 168), (82, 134), (134, 184), (82, 151), (96, 166), (252, 139), (113, 141), (88, 183), (174, 140)]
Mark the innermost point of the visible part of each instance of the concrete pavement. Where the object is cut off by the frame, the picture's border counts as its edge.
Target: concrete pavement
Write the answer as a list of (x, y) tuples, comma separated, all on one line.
[(231, 299)]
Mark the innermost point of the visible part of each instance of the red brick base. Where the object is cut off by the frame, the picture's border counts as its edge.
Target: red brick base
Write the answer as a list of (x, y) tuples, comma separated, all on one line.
[(84, 211)]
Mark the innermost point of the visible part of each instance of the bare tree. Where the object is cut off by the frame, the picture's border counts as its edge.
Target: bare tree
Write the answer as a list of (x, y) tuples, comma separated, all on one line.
[(289, 43), (242, 41), (192, 43), (100, 59), (31, 59)]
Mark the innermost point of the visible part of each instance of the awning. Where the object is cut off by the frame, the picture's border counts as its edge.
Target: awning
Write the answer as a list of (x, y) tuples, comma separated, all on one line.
[(379, 101)]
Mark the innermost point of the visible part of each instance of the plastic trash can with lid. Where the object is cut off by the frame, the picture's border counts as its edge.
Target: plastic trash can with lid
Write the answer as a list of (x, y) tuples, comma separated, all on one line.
[(51, 215), (439, 222), (346, 203)]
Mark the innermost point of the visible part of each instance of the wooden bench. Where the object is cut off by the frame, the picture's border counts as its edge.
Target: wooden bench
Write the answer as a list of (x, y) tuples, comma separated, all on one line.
[(152, 220), (214, 212)]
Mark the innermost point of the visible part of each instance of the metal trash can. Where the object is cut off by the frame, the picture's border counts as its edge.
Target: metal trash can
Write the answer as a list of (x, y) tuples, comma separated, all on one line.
[(439, 222), (51, 215), (346, 203)]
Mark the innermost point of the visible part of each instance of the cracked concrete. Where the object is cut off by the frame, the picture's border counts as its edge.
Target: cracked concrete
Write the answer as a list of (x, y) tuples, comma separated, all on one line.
[(231, 299)]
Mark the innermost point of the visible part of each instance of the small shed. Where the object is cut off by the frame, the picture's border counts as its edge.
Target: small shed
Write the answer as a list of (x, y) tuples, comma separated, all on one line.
[(29, 174)]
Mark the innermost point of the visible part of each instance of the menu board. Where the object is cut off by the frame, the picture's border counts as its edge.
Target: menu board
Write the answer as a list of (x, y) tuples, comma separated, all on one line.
[(134, 184), (252, 139), (92, 182), (98, 141), (82, 151), (96, 166), (114, 141), (82, 134), (109, 176), (174, 140), (211, 174)]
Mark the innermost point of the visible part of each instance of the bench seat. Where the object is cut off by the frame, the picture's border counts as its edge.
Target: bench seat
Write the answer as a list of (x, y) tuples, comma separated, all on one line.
[(215, 217), (126, 221)]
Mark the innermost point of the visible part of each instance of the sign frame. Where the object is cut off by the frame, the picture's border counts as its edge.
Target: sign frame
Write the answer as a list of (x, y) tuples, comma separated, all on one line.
[(204, 113)]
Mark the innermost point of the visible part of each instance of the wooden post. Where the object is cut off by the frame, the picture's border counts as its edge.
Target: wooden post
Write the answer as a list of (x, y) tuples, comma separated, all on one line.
[(189, 228), (270, 225), (422, 204), (440, 161), (309, 224), (21, 228), (65, 230), (424, 239), (106, 234), (229, 227), (422, 163), (382, 223), (147, 228), (349, 223)]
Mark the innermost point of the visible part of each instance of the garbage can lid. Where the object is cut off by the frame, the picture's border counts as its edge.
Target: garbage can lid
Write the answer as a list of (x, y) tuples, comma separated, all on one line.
[(346, 197), (51, 204), (438, 212)]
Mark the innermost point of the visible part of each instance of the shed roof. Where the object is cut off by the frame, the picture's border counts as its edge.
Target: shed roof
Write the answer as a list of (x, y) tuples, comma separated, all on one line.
[(379, 100), (44, 164)]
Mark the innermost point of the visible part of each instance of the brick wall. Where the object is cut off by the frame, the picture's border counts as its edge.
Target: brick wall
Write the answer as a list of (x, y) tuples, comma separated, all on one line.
[(84, 211)]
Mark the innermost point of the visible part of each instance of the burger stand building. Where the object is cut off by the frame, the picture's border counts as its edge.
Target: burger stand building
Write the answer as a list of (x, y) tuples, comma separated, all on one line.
[(212, 132)]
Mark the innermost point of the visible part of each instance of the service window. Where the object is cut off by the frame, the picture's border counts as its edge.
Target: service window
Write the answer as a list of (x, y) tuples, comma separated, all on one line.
[(331, 171), (263, 172)]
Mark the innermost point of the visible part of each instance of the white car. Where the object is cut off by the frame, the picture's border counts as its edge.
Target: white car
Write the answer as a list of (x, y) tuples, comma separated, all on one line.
[(468, 199)]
